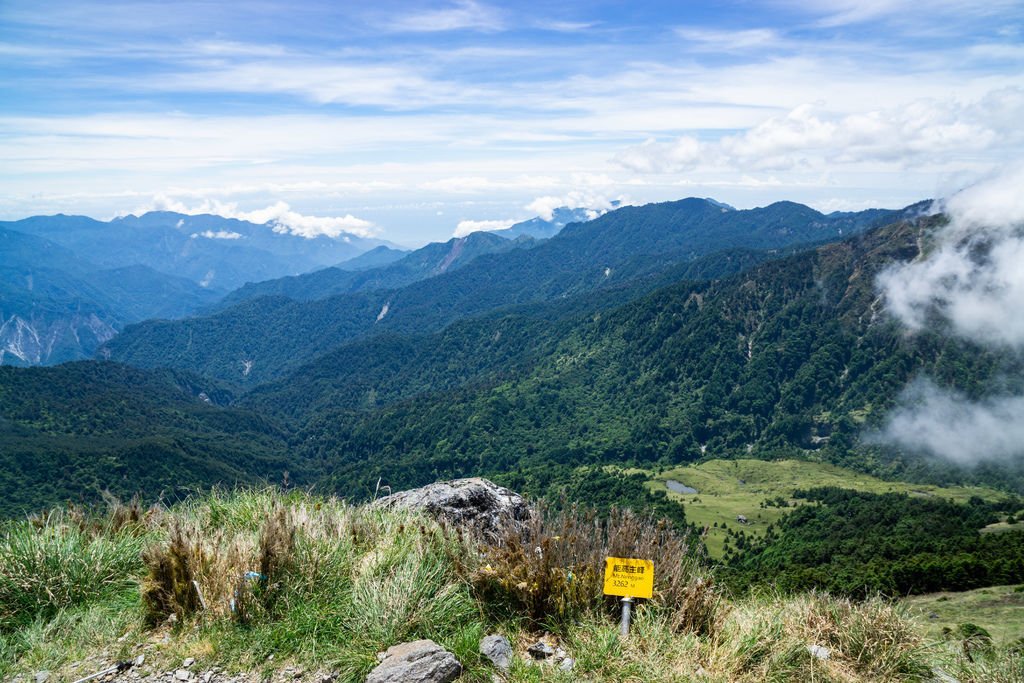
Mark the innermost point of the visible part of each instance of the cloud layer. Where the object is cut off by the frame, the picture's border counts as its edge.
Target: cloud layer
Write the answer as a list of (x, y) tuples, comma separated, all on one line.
[(279, 216)]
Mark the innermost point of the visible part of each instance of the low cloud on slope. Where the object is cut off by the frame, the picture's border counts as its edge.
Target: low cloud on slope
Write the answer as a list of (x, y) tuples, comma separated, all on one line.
[(970, 285), (947, 424)]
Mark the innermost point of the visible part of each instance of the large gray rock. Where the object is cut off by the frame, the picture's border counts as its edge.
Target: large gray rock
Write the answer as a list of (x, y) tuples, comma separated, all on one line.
[(421, 661), (470, 503), (497, 649)]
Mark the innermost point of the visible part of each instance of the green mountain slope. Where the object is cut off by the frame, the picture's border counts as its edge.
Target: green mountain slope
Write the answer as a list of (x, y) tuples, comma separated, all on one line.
[(73, 431)]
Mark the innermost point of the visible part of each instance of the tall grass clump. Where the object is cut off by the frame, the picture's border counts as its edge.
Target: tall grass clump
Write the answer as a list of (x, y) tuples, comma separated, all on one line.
[(65, 559), (552, 568), (317, 580)]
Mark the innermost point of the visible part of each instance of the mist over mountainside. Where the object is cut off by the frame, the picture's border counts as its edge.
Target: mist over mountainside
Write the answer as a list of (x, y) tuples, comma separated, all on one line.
[(258, 339)]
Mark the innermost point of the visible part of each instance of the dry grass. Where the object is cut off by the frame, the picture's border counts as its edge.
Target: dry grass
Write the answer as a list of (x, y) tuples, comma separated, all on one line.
[(769, 638)]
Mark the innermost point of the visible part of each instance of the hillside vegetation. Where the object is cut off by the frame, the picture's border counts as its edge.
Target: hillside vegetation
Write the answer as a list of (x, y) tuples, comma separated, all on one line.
[(334, 584)]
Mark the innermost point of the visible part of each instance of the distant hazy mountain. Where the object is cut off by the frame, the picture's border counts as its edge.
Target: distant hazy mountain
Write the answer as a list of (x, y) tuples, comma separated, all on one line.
[(387, 268), (434, 259), (375, 258), (261, 338), (56, 306), (212, 251), (541, 229)]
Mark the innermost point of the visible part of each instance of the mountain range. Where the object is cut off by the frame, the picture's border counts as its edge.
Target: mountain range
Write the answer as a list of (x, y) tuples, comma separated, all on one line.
[(632, 249), (529, 374), (70, 283)]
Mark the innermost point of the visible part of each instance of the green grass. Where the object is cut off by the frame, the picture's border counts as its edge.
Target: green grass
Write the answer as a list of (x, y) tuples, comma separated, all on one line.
[(998, 609), (727, 488)]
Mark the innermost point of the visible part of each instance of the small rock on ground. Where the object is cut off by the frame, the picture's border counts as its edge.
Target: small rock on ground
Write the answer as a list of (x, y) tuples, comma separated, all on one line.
[(497, 649), (540, 650), (421, 661)]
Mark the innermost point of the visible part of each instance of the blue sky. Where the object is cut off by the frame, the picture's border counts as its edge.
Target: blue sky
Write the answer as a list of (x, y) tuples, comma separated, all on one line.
[(412, 121)]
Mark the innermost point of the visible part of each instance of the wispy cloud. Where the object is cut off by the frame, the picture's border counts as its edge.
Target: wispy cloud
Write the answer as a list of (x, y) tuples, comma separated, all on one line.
[(718, 40), (460, 15), (834, 13)]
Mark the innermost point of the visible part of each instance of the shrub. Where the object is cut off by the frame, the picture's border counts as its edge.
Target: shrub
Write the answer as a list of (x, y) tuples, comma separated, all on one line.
[(552, 569)]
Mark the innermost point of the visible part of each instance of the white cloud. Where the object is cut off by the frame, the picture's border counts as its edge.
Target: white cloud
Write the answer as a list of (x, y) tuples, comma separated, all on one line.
[(279, 216), (575, 199), (466, 227), (926, 130), (219, 235), (944, 423), (714, 40), (651, 156), (461, 15), (973, 278)]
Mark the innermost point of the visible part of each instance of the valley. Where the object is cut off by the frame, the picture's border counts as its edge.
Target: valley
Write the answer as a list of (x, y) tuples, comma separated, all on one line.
[(727, 489)]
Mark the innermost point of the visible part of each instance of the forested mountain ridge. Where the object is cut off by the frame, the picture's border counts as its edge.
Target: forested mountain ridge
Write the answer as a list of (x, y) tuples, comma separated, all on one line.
[(791, 358), (72, 431), (260, 339), (434, 259)]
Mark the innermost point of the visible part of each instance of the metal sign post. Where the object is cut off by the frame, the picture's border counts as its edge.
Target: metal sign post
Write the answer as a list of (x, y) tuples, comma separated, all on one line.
[(628, 578), (627, 608)]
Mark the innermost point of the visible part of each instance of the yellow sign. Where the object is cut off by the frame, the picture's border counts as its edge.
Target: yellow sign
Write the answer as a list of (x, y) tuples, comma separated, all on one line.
[(628, 577)]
